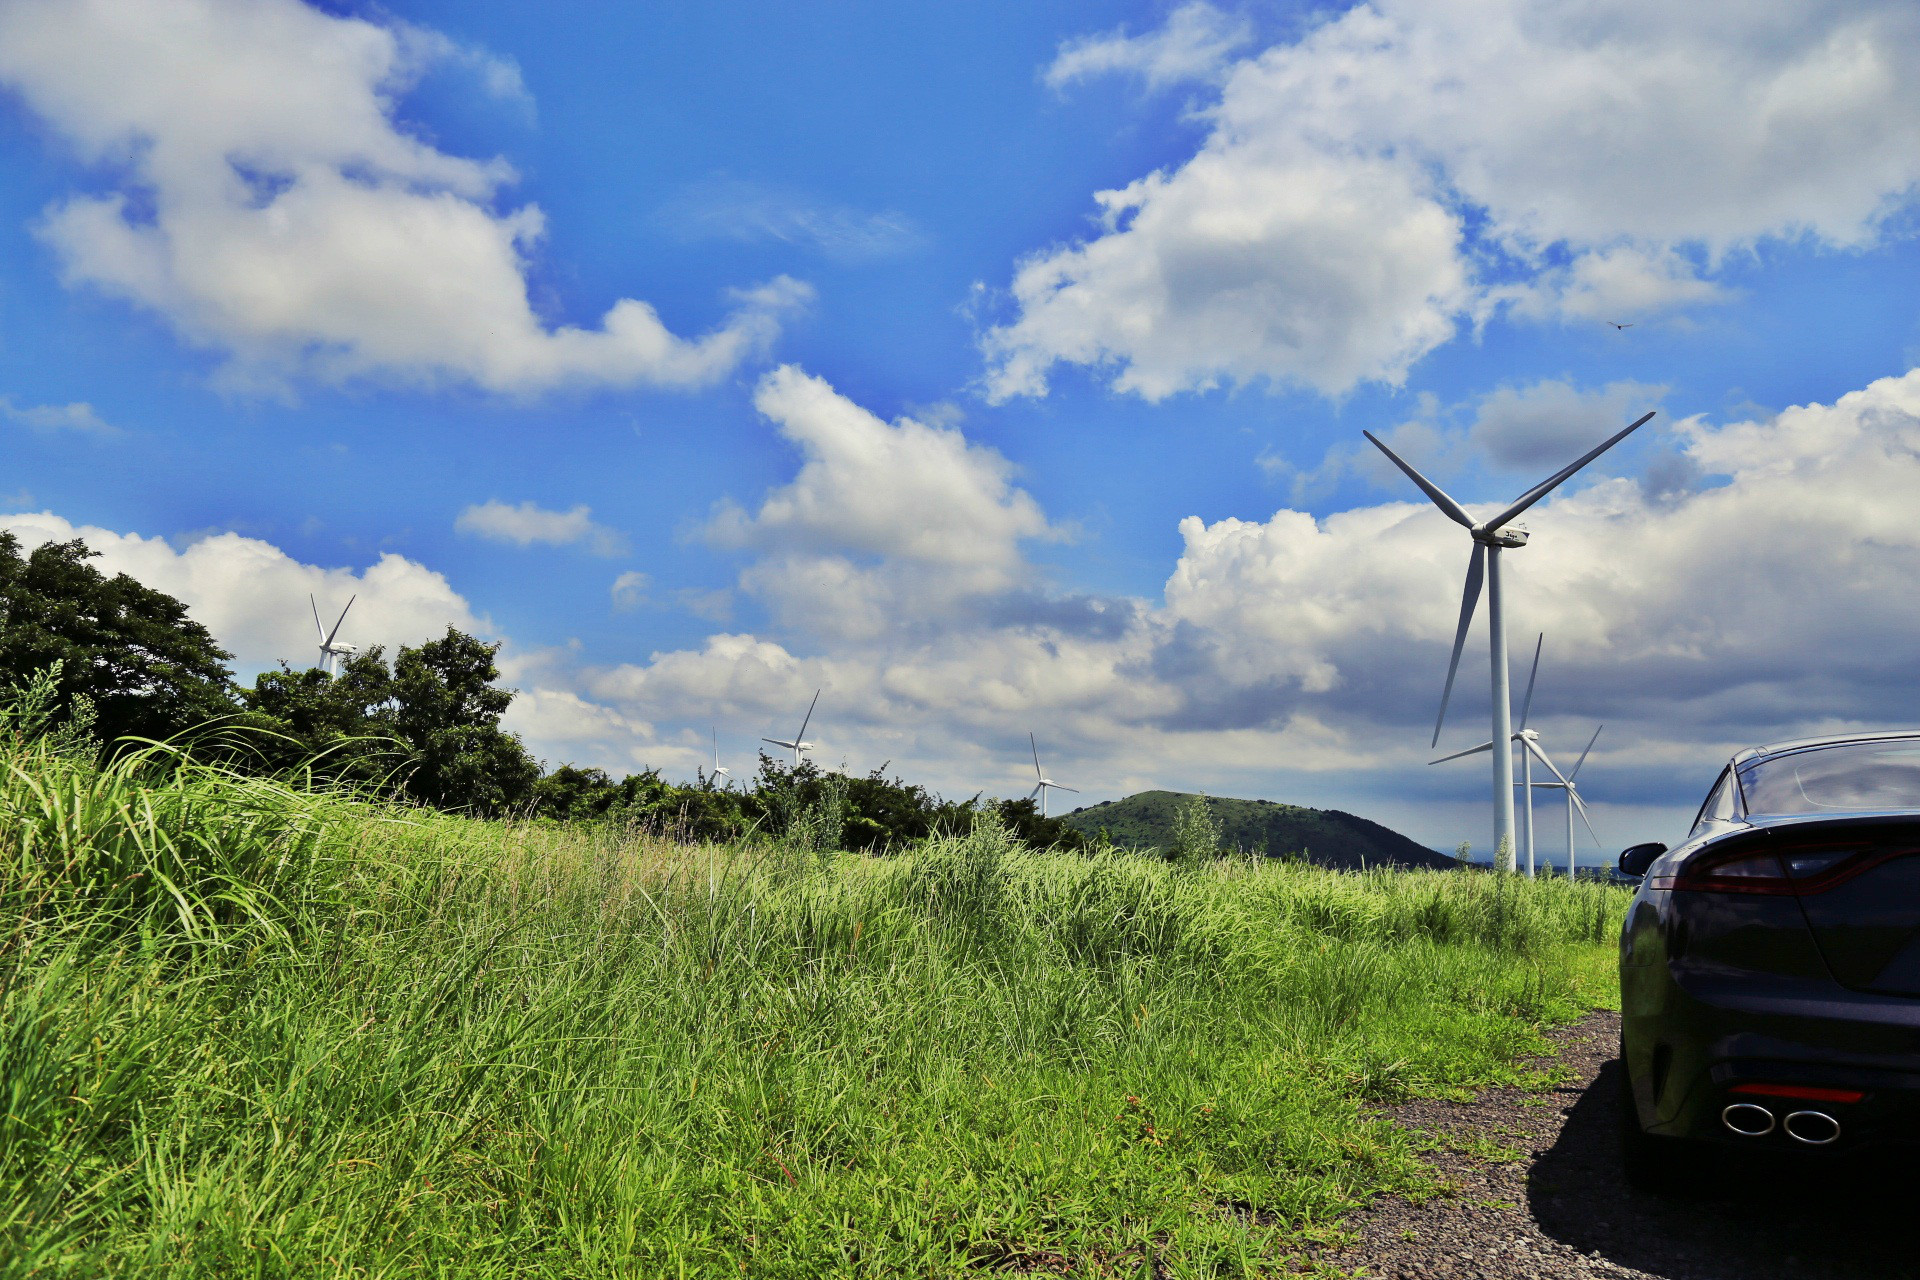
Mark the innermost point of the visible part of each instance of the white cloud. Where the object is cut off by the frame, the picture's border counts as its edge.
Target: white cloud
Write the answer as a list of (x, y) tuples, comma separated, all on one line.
[(1195, 44), (528, 524), (1288, 267), (1608, 156), (253, 597), (78, 416), (629, 590), (268, 203), (879, 513)]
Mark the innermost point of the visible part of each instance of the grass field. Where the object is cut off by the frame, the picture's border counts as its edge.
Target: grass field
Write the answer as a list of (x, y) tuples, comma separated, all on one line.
[(249, 1031)]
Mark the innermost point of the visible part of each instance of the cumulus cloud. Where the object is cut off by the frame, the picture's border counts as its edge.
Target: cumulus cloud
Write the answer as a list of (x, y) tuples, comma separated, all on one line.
[(879, 513), (529, 524), (1195, 44), (253, 596), (1406, 166), (265, 200)]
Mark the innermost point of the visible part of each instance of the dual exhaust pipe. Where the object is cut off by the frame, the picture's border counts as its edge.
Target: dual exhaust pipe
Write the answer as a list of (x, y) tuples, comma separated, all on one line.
[(1809, 1128)]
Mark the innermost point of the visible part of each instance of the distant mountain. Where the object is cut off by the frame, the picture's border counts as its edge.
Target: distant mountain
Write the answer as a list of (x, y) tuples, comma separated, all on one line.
[(1325, 836)]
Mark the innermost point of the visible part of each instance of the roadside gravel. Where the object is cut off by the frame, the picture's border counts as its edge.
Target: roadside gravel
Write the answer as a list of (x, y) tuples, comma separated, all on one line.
[(1556, 1205)]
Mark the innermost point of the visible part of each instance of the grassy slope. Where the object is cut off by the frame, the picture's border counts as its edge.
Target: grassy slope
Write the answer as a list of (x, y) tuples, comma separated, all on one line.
[(247, 1032), (1326, 836)]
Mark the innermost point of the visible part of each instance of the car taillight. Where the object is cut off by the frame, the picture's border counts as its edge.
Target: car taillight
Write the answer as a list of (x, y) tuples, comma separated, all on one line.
[(1793, 870)]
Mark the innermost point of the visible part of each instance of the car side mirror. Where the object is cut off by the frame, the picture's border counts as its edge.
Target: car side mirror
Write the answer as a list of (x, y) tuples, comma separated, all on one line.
[(1635, 861)]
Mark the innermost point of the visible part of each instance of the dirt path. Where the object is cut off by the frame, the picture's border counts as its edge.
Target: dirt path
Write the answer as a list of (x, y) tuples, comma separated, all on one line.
[(1562, 1209)]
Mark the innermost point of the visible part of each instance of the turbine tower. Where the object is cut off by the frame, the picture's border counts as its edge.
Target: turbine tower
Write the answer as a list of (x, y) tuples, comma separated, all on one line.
[(1490, 538), (331, 654), (1045, 784), (718, 770), (798, 745)]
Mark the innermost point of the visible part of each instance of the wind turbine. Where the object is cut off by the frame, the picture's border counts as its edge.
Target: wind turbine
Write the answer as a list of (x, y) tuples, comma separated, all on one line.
[(718, 770), (331, 654), (1574, 801), (798, 744), (1045, 784), (1490, 538)]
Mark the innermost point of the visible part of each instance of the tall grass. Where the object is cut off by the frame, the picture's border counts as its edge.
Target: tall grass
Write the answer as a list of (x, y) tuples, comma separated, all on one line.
[(250, 1030)]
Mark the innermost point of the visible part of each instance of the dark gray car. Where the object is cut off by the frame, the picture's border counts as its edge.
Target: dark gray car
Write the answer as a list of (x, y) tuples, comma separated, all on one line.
[(1770, 965)]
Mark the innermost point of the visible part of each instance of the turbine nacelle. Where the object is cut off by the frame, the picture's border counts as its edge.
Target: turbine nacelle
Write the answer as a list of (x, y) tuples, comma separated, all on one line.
[(1043, 783), (799, 745), (331, 654)]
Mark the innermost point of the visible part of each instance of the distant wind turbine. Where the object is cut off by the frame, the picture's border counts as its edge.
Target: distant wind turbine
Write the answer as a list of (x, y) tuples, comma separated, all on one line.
[(331, 654), (1490, 538), (1574, 801), (799, 744), (1529, 741), (1045, 784), (718, 771)]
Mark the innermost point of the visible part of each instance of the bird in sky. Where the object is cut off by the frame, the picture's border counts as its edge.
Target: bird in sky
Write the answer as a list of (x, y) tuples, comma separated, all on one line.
[(1628, 325)]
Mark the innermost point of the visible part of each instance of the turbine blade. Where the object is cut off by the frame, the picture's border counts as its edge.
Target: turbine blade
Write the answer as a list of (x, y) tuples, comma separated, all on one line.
[(1554, 481), (343, 617), (1036, 757), (809, 719), (1527, 704), (1058, 787), (1581, 805), (776, 742), (1454, 511), (1583, 755), (1469, 600), (1470, 751), (1541, 756), (318, 630), (1036, 791)]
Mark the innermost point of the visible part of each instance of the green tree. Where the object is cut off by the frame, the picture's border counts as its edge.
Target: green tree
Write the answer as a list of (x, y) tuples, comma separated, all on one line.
[(336, 725), (446, 709), (148, 669)]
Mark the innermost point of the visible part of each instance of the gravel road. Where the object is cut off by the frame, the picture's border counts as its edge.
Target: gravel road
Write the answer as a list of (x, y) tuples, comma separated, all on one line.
[(1562, 1209)]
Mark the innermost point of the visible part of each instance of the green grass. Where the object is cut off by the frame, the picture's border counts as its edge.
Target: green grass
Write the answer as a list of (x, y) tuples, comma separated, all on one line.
[(249, 1031)]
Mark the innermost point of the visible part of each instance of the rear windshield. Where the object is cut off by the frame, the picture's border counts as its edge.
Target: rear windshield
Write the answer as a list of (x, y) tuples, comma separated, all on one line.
[(1854, 775)]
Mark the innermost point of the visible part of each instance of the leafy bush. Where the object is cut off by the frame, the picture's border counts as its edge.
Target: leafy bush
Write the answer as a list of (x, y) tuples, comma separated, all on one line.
[(1196, 833)]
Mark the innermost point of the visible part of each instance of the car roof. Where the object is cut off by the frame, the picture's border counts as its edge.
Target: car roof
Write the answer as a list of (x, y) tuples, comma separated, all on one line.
[(1753, 755)]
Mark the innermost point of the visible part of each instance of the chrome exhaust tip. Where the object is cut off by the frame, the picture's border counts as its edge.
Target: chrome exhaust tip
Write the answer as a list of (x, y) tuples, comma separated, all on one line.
[(1814, 1128), (1750, 1120)]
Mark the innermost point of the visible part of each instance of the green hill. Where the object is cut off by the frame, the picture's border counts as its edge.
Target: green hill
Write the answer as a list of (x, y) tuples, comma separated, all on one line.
[(1324, 836)]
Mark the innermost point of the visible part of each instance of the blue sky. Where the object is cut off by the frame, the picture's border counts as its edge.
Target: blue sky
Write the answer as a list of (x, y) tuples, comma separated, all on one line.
[(708, 354)]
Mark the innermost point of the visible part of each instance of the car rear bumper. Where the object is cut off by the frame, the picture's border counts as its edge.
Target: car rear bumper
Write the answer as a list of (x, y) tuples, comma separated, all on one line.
[(1714, 1035)]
